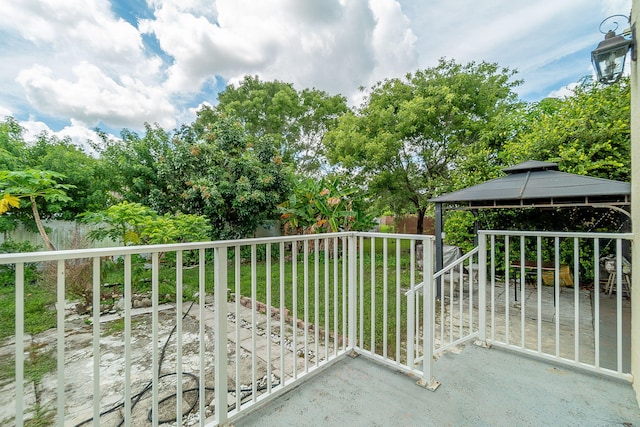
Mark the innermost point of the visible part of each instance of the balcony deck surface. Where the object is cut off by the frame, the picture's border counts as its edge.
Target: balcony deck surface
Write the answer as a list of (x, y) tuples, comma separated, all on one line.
[(480, 387)]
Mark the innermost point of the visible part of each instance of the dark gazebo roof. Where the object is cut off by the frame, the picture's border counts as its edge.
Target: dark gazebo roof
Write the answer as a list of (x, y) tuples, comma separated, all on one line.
[(539, 184), (534, 184)]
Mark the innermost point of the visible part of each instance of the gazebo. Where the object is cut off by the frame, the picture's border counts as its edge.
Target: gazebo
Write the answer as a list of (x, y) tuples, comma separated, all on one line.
[(534, 184)]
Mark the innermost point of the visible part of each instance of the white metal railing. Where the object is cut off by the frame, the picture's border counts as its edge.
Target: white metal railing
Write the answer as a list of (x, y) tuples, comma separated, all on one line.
[(231, 324), (545, 297)]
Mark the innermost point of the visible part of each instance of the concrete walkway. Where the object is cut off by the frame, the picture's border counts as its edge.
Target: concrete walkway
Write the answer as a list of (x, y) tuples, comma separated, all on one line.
[(480, 387)]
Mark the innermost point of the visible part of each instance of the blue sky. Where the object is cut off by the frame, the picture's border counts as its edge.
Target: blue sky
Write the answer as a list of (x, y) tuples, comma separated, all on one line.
[(69, 67)]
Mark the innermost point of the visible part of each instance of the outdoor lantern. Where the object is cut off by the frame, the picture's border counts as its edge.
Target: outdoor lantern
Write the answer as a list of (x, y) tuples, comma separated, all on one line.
[(609, 57)]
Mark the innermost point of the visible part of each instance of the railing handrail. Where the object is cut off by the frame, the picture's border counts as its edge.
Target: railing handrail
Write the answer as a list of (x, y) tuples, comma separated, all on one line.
[(448, 267), (566, 234), (457, 262), (172, 247)]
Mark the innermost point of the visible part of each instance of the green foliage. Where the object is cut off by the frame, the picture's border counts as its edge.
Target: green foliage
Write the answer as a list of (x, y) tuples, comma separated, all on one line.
[(318, 206), (217, 171), (130, 165), (296, 121), (411, 135), (587, 133), (134, 224), (87, 187), (459, 229), (35, 186), (13, 149), (7, 272)]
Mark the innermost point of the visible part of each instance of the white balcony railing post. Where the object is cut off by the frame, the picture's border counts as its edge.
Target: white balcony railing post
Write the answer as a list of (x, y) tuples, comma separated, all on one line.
[(220, 334), (428, 320), (352, 283), (482, 288), (19, 320)]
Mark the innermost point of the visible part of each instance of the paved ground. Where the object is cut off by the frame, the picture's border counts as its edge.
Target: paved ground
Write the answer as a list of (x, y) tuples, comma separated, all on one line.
[(480, 387)]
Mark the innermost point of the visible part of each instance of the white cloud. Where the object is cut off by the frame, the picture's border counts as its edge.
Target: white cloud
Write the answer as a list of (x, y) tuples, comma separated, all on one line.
[(83, 63), (76, 60), (4, 112), (332, 45), (77, 132), (33, 128), (87, 26), (564, 92), (394, 41), (93, 97)]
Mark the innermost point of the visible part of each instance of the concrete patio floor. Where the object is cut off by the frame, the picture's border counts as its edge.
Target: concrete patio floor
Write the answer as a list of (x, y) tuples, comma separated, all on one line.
[(480, 387)]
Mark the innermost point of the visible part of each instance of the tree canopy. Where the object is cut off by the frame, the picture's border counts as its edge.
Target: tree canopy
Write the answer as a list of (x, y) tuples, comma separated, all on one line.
[(587, 133), (411, 135), (295, 120), (216, 170)]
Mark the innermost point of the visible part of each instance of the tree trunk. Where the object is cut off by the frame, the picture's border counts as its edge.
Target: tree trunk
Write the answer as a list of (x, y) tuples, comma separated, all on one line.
[(41, 229), (420, 224)]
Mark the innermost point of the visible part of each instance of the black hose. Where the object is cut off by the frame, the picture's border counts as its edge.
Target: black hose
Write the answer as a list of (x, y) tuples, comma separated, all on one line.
[(149, 386)]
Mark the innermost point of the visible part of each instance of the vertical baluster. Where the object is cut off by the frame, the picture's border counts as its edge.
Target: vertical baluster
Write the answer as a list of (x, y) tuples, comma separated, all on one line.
[(155, 355), (619, 292), (294, 296), (201, 329), (238, 349), (254, 337), (523, 296), (507, 270), (327, 301), (411, 347), (60, 341), (19, 354), (127, 342), (316, 299), (493, 287), (539, 289), (96, 337), (268, 314), (282, 314), (557, 292), (385, 302), (576, 298), (220, 337), (596, 299), (179, 369), (305, 266), (361, 265), (398, 319), (373, 295)]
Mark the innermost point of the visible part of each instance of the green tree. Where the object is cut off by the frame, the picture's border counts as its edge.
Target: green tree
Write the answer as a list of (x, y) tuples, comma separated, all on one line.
[(296, 120), (13, 149), (216, 170), (130, 165), (587, 133), (88, 189), (411, 135), (33, 185)]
